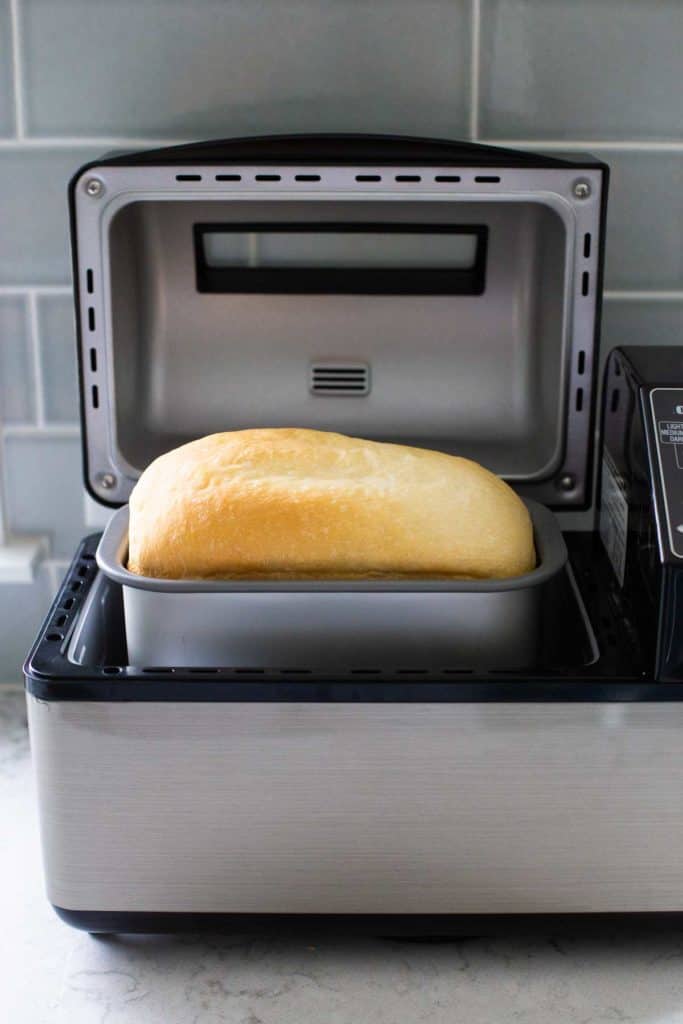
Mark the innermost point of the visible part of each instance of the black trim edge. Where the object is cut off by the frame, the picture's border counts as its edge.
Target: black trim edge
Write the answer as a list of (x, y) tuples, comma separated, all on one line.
[(332, 148), (387, 926)]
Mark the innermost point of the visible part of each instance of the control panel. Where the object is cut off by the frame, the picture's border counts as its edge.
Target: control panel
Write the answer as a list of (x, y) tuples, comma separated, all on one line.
[(666, 406)]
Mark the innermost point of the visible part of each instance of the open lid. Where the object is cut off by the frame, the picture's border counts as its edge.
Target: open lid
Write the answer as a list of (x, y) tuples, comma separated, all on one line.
[(420, 291)]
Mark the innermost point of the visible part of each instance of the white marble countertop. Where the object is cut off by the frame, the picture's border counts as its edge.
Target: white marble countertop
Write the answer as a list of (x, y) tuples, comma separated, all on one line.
[(51, 973)]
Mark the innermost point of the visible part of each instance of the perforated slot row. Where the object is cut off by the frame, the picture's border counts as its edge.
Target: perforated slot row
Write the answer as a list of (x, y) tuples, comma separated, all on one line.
[(68, 606), (233, 671), (92, 351), (445, 179), (337, 379)]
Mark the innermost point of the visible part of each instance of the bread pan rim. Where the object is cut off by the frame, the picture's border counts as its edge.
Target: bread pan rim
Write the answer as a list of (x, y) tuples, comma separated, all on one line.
[(550, 548)]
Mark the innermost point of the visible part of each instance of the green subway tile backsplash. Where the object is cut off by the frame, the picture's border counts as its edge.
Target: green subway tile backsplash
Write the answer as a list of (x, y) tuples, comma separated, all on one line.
[(581, 69), (34, 242), (207, 69), (57, 333), (17, 393)]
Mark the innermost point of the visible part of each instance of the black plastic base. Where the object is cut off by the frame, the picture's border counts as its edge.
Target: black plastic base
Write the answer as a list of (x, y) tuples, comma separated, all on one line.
[(425, 926)]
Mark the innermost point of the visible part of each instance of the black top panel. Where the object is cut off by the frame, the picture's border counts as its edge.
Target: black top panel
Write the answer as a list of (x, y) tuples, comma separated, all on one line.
[(658, 365), (351, 148), (622, 670)]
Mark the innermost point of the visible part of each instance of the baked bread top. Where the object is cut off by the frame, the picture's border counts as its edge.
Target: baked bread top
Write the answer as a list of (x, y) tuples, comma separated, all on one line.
[(287, 503)]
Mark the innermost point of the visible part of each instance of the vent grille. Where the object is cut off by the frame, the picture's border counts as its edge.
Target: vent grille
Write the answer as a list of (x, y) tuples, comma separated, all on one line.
[(340, 380)]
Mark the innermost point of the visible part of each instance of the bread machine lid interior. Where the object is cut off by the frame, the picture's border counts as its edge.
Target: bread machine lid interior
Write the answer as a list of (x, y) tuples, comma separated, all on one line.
[(432, 293)]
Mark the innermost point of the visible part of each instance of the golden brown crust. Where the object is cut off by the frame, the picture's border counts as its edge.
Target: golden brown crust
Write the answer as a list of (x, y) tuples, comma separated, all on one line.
[(287, 503)]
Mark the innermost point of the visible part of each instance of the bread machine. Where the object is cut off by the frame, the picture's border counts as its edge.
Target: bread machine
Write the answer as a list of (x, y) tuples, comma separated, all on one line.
[(318, 754)]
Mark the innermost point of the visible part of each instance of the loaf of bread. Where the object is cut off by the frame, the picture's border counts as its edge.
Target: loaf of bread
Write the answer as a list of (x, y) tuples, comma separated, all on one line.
[(290, 503)]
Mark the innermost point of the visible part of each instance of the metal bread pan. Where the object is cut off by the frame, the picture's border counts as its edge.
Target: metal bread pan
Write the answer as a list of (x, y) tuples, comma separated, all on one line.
[(335, 623)]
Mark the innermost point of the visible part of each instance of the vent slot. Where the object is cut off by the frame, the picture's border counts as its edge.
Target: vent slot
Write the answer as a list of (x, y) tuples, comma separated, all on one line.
[(89, 282), (491, 179), (579, 399), (582, 363), (228, 177), (95, 397), (447, 177), (267, 177), (340, 379), (585, 278), (307, 177), (408, 177), (188, 177), (368, 177), (93, 360), (91, 318), (586, 246)]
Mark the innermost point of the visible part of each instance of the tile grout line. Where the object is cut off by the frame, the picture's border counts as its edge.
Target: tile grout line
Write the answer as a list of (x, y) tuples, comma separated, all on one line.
[(73, 142), (37, 361), (635, 295), (475, 29), (43, 289), (17, 77), (76, 141), (56, 431)]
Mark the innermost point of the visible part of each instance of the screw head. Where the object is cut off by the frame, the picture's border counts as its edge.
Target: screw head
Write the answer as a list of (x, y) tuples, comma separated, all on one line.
[(107, 481), (582, 189), (566, 482), (94, 187)]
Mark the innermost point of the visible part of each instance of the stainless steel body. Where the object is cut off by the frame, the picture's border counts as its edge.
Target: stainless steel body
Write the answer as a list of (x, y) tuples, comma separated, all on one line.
[(335, 623), (352, 748), (370, 808)]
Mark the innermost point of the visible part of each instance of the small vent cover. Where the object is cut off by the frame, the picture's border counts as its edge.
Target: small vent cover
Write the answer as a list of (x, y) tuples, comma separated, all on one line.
[(341, 380)]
